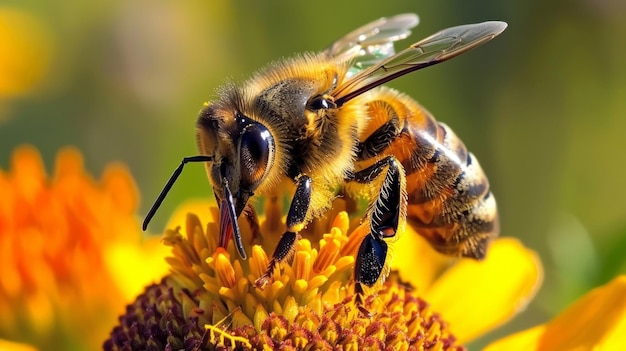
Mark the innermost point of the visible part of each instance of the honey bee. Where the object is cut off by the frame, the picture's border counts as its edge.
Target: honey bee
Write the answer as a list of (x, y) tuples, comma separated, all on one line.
[(323, 122)]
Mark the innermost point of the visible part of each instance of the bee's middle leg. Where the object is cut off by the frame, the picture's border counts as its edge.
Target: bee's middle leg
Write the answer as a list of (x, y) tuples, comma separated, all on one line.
[(385, 215), (286, 247)]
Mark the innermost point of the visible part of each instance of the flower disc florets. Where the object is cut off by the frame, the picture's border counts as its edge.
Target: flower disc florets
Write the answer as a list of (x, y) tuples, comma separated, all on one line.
[(210, 300)]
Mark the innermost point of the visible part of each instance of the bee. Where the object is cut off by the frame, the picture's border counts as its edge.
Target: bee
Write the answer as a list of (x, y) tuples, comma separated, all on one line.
[(324, 122)]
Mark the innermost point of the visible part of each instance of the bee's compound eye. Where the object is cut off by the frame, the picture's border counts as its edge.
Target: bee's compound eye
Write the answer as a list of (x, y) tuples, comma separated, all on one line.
[(319, 102), (256, 153)]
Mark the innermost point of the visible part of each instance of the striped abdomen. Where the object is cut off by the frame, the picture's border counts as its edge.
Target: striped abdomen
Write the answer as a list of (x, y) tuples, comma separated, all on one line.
[(449, 202)]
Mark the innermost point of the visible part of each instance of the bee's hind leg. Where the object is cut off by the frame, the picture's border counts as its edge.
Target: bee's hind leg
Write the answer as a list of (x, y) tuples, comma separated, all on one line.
[(295, 222), (385, 214)]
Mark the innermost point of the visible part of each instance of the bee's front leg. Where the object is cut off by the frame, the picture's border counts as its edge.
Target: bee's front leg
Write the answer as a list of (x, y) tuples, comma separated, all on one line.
[(295, 222), (386, 215)]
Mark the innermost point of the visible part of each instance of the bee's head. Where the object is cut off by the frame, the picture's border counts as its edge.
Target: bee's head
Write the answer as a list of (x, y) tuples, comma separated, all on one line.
[(243, 153), (255, 131)]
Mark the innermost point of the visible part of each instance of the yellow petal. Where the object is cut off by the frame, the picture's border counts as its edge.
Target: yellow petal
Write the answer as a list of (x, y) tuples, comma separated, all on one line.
[(523, 341), (413, 254), (595, 322), (148, 262), (6, 345), (475, 297)]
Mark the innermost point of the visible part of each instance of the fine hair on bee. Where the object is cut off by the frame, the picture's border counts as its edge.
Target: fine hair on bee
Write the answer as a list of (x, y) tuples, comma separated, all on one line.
[(322, 122)]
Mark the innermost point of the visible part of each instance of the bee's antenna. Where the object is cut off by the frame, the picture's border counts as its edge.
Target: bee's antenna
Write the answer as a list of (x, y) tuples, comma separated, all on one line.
[(170, 182)]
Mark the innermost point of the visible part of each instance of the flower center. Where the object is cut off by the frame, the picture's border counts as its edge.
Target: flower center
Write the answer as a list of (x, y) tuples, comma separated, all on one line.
[(309, 303)]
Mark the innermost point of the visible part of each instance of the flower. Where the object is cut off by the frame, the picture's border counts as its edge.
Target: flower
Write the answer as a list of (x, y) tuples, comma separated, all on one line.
[(210, 300), (495, 289), (25, 52), (63, 243), (595, 322)]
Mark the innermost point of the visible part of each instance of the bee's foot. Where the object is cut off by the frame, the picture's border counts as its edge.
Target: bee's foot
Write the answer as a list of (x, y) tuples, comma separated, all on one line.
[(262, 281)]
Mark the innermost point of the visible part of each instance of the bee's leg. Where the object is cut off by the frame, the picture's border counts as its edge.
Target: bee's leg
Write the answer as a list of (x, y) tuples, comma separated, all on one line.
[(386, 214), (295, 222), (370, 262)]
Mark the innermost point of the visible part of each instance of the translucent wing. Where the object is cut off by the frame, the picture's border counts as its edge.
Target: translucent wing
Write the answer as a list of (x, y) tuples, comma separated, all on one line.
[(434, 49), (373, 42)]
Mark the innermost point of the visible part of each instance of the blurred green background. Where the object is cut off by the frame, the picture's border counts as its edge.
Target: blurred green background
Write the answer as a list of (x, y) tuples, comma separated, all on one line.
[(542, 106)]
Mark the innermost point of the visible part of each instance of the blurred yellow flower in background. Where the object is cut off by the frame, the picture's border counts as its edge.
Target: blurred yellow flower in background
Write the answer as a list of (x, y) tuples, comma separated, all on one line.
[(25, 52), (71, 253), (210, 299)]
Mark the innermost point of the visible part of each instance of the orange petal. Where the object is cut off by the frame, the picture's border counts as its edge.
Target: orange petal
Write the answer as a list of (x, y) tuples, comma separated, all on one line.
[(595, 322), (475, 297), (28, 172), (69, 161), (121, 187)]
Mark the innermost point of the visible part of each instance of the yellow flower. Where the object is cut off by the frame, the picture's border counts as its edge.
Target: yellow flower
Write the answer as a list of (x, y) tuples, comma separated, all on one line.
[(71, 251), (495, 289), (595, 322), (25, 51), (210, 300)]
